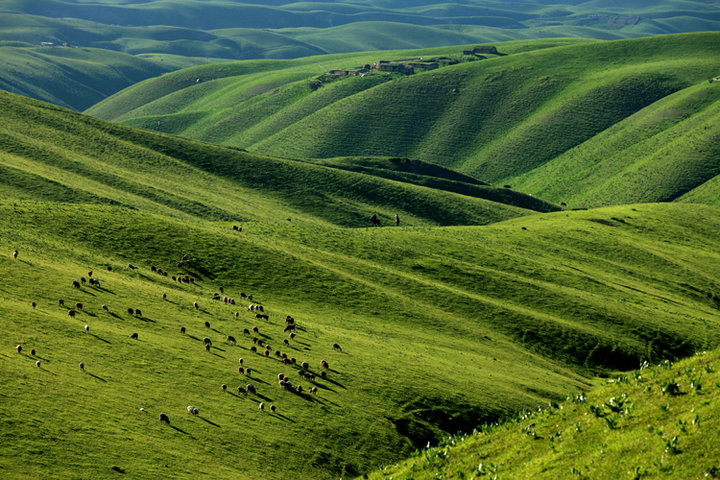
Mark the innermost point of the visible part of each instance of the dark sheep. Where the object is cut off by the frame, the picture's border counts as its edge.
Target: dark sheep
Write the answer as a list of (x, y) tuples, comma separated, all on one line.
[(32, 352), (15, 253), (164, 418), (71, 313), (286, 342), (207, 341), (337, 347), (231, 339), (19, 348), (284, 355), (266, 352), (82, 366), (90, 273), (323, 374), (242, 295), (246, 331), (253, 349), (292, 359), (207, 324), (182, 330), (260, 307), (61, 302), (131, 266), (250, 388), (272, 408), (76, 284), (241, 370), (134, 336), (173, 278), (280, 376), (224, 387), (138, 312), (78, 305), (105, 308), (289, 328), (196, 305), (286, 361), (324, 364), (82, 280), (248, 371), (153, 268), (237, 314), (277, 353), (289, 319), (305, 365), (292, 335), (207, 347), (255, 330), (33, 304), (222, 290), (164, 296), (131, 311), (255, 340), (109, 268), (241, 391)]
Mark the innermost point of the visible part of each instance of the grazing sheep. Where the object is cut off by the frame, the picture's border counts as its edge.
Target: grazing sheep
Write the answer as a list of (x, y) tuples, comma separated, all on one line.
[(266, 352), (337, 347), (71, 313), (253, 349), (87, 328), (76, 284), (286, 342), (299, 389), (82, 366), (241, 370), (207, 341), (250, 388), (242, 295), (223, 387), (134, 336), (313, 390), (105, 307), (249, 297), (182, 330), (164, 296), (292, 335), (196, 305), (277, 353), (193, 410), (90, 273), (231, 339), (61, 302), (292, 359), (237, 314), (131, 266), (173, 278), (207, 324), (95, 281), (289, 328), (241, 391), (216, 296), (15, 253), (207, 347), (240, 361), (82, 280), (286, 361), (301, 373), (186, 257), (19, 348), (280, 376), (164, 418), (109, 269), (323, 374), (231, 301), (255, 330), (246, 331), (284, 355), (255, 340), (305, 365), (272, 408), (78, 305), (131, 311), (32, 352), (281, 382), (37, 363), (138, 313), (261, 407), (324, 364), (248, 371)]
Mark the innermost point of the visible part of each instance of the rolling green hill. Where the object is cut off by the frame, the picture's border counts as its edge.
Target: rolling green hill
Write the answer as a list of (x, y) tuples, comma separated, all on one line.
[(78, 78), (539, 118), (656, 422), (440, 326)]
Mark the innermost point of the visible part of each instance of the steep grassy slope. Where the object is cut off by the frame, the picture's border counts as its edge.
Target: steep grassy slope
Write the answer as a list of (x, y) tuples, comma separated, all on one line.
[(51, 153), (662, 153), (417, 311), (78, 78), (657, 422), (495, 119)]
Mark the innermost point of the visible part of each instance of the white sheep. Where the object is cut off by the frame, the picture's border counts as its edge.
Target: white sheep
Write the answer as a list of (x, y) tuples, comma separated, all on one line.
[(37, 364), (87, 328), (261, 407), (196, 305)]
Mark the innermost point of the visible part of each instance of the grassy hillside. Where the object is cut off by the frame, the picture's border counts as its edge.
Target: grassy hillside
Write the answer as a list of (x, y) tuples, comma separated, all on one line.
[(527, 314), (50, 153), (78, 78), (664, 152), (657, 422), (528, 308), (520, 119)]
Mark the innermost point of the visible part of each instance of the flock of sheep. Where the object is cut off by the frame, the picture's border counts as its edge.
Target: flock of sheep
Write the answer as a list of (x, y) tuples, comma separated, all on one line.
[(266, 350)]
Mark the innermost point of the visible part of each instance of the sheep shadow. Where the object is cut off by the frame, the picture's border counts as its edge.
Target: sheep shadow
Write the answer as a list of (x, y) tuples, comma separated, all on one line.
[(218, 355), (178, 429), (333, 382), (263, 397), (88, 292), (101, 339), (282, 417), (324, 387), (194, 337), (258, 380), (145, 319), (209, 421), (96, 376), (115, 315), (90, 314), (103, 289)]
